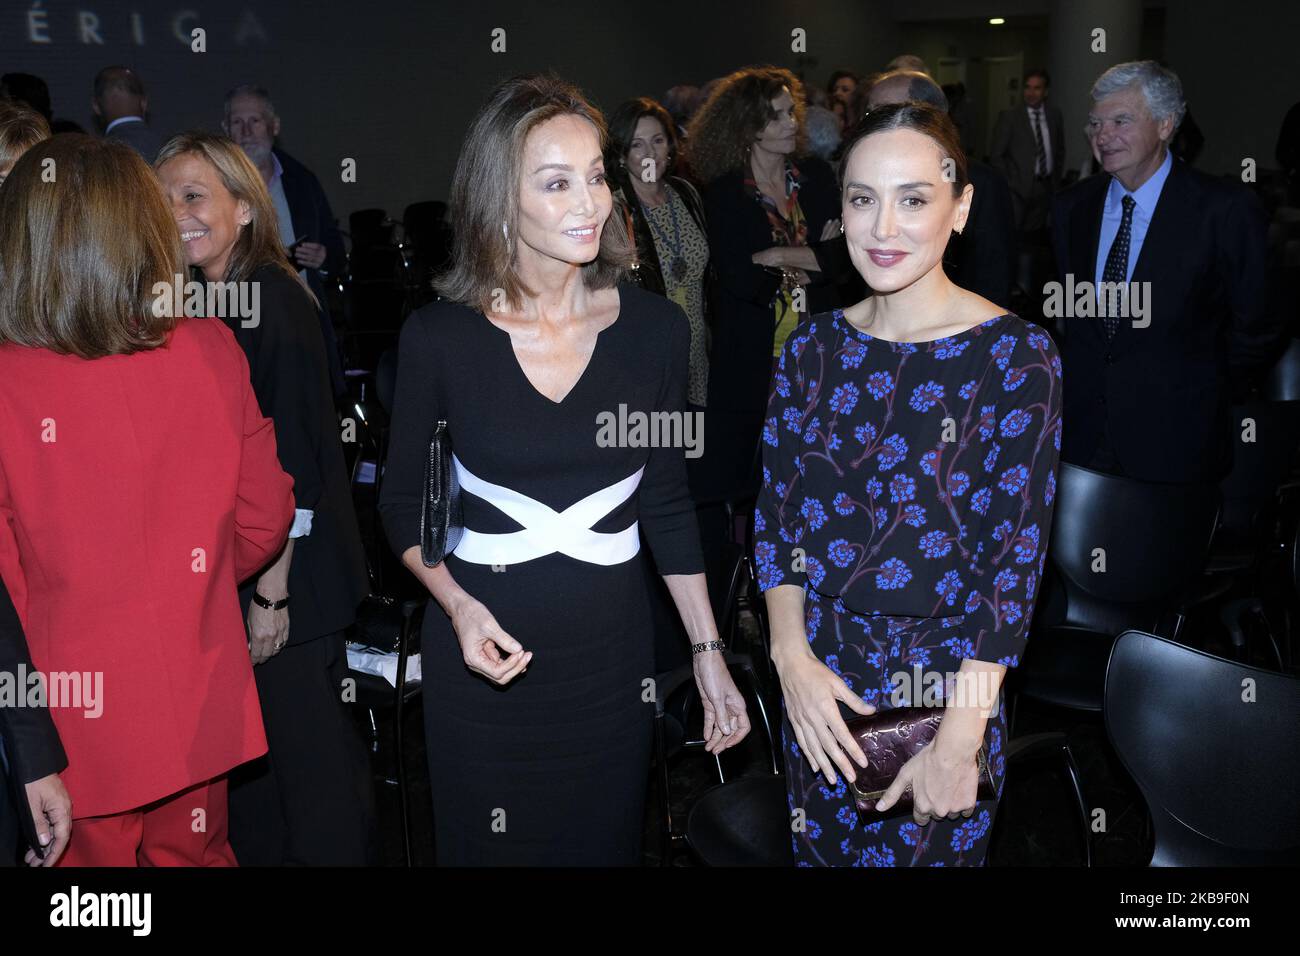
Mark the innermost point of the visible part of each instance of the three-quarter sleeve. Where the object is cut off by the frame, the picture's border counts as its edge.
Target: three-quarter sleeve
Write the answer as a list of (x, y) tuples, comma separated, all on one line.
[(778, 519), (415, 415), (1015, 499), (665, 509), (264, 495)]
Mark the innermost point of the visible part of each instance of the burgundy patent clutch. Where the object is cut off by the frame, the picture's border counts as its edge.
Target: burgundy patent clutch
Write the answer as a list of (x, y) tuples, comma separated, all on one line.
[(890, 738)]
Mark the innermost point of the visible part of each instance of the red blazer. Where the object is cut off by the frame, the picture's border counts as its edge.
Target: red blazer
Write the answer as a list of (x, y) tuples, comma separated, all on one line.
[(135, 492)]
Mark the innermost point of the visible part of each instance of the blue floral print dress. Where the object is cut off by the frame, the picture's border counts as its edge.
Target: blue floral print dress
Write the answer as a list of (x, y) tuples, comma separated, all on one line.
[(908, 489)]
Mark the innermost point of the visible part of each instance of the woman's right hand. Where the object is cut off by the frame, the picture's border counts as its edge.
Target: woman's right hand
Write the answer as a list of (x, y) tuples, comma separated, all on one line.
[(811, 690), (482, 642)]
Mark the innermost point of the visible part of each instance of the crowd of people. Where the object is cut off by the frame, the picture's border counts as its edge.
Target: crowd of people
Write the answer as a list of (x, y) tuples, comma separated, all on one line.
[(823, 277)]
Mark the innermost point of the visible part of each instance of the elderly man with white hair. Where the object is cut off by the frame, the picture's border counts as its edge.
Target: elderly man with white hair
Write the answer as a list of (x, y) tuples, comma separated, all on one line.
[(1150, 374)]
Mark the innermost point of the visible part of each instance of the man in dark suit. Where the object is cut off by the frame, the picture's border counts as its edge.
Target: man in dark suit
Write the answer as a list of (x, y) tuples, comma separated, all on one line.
[(121, 107), (307, 225), (1148, 388), (31, 754), (1029, 149), (982, 258)]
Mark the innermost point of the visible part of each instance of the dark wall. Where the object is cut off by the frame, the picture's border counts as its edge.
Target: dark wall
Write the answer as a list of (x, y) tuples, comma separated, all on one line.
[(393, 85)]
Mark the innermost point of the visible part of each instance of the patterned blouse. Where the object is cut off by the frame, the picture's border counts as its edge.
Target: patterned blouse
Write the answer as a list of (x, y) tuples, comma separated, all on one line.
[(678, 238), (914, 479), (789, 228)]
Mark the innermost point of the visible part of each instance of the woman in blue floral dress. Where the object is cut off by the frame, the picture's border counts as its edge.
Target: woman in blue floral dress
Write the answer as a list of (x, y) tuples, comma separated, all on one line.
[(909, 461)]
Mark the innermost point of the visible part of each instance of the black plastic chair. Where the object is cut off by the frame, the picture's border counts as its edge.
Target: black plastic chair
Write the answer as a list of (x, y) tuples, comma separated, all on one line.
[(1259, 467), (1219, 774), (742, 823), (388, 625), (1155, 539), (674, 691)]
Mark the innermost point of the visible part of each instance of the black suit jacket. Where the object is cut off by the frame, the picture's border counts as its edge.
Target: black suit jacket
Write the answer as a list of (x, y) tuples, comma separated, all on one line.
[(32, 748), (139, 136), (313, 218), (286, 359), (983, 258), (743, 315), (1163, 392), (1015, 148)]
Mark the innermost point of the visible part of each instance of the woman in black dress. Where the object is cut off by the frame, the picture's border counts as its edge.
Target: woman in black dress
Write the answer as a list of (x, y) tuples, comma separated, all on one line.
[(310, 800), (539, 675), (909, 460)]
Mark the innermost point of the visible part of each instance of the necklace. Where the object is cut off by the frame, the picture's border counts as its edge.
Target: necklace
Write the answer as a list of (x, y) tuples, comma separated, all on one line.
[(677, 260)]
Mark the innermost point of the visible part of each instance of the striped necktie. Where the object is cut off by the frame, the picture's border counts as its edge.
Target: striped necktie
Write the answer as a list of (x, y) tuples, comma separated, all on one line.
[(1040, 153)]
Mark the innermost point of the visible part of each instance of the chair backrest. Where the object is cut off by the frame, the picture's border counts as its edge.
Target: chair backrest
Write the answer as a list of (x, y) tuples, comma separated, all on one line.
[(1211, 744), (422, 219), (369, 227), (1258, 466), (1283, 381), (1153, 539)]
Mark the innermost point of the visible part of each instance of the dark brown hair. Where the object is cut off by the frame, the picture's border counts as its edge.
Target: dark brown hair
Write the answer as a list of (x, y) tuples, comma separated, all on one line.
[(485, 194), (735, 113), (923, 118), (622, 130), (81, 249)]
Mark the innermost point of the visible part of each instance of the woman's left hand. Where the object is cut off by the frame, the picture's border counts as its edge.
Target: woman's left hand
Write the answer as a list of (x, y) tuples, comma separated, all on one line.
[(726, 721), (942, 785), (268, 632)]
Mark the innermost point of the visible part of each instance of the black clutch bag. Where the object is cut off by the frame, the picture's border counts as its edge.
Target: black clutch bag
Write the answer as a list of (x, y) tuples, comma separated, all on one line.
[(890, 738), (441, 514)]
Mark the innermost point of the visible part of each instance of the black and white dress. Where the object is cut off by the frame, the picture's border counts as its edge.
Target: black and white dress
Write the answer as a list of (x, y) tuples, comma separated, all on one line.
[(552, 768)]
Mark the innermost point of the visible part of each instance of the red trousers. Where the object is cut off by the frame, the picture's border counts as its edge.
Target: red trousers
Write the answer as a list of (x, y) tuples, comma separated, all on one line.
[(168, 832)]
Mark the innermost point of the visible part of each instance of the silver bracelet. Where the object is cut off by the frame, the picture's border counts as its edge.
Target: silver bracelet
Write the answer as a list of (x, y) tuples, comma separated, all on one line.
[(707, 646)]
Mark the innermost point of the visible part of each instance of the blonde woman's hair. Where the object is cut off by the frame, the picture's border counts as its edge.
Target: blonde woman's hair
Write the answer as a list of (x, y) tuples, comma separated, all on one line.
[(259, 242)]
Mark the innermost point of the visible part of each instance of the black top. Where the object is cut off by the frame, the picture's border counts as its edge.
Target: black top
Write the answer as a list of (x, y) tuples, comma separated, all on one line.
[(744, 317), (286, 360), (456, 365)]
